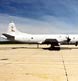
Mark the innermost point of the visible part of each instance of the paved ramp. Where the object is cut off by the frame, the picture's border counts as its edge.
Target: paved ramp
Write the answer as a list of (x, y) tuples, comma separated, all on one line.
[(29, 64)]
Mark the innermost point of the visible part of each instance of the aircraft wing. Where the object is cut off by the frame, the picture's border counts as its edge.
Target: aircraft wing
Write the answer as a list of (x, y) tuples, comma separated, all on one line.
[(9, 37), (53, 42)]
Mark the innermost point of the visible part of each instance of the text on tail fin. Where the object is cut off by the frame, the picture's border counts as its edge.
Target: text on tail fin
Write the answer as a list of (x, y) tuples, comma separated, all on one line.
[(12, 27)]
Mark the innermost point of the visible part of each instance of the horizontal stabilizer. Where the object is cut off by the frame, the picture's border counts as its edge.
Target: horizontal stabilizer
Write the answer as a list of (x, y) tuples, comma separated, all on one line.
[(9, 37)]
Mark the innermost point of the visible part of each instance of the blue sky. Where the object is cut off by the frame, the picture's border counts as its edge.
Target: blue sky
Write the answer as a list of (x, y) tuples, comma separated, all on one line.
[(40, 16)]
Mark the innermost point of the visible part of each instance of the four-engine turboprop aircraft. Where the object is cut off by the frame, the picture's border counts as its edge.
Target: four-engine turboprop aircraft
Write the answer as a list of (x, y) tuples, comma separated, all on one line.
[(53, 39)]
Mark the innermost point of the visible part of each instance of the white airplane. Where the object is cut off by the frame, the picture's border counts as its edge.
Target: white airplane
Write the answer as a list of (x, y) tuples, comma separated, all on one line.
[(54, 39)]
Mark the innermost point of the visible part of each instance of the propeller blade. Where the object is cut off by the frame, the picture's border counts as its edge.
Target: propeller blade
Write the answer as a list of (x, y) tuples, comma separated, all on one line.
[(68, 39)]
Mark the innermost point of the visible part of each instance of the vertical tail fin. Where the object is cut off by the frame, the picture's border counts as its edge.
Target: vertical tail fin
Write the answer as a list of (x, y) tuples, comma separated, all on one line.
[(12, 28)]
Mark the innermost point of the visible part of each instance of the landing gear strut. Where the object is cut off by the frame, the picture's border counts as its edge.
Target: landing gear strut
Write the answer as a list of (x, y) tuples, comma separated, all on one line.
[(37, 45), (52, 46)]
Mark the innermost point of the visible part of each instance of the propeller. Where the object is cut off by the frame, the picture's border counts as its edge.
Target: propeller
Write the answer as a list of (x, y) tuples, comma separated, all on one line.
[(68, 39)]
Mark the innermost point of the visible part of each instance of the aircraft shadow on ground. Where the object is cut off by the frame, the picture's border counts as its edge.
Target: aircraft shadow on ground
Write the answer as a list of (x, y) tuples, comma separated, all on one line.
[(60, 48), (50, 49), (56, 48)]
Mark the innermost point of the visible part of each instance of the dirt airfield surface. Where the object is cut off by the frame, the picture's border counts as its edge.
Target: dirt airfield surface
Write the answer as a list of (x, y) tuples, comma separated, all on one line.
[(23, 62)]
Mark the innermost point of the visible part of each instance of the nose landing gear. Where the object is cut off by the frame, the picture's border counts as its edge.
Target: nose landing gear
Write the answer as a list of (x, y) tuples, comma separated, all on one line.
[(76, 43)]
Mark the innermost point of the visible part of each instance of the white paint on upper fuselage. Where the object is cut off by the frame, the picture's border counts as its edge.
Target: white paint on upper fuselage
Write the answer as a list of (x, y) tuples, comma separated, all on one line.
[(73, 37)]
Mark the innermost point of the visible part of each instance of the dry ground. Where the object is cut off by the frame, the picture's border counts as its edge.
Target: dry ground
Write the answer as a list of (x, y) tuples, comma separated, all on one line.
[(28, 63)]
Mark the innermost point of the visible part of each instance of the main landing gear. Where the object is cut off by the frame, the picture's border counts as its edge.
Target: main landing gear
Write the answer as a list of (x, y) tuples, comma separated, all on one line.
[(37, 45), (53, 47)]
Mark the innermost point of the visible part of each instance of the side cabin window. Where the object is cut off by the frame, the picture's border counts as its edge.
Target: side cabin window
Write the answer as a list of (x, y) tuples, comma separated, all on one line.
[(73, 37), (32, 38)]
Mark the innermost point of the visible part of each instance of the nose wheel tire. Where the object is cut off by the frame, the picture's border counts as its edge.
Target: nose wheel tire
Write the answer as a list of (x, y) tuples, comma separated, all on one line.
[(76, 44)]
